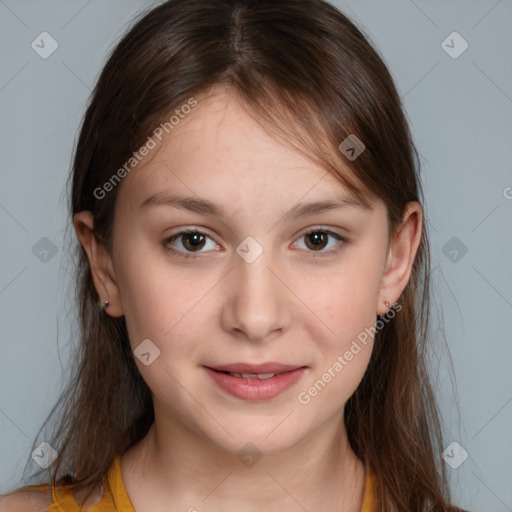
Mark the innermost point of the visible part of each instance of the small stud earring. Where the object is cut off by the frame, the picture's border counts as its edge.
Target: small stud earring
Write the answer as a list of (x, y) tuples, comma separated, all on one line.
[(387, 303), (106, 304)]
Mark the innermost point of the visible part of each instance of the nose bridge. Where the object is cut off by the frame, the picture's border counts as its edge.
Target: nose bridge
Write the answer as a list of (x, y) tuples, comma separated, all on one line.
[(257, 304)]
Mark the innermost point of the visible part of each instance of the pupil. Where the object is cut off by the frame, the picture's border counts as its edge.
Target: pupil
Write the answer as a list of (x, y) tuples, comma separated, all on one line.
[(197, 240), (317, 238)]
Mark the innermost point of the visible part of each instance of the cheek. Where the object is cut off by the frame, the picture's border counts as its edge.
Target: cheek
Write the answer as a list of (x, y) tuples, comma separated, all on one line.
[(344, 344), (343, 301), (163, 309), (160, 302)]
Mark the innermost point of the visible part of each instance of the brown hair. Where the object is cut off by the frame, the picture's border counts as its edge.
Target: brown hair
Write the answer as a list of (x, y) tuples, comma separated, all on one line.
[(312, 77)]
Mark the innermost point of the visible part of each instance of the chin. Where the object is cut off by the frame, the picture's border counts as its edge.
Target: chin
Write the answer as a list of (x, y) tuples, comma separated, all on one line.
[(266, 437)]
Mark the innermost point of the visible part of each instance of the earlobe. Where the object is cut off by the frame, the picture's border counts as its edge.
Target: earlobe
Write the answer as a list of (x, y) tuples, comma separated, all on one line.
[(100, 263), (401, 256)]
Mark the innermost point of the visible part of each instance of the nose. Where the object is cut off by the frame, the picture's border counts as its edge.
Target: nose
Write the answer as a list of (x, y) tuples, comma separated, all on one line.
[(257, 305)]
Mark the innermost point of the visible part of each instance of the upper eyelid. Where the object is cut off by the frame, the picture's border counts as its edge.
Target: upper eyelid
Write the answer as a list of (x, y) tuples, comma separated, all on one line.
[(204, 231)]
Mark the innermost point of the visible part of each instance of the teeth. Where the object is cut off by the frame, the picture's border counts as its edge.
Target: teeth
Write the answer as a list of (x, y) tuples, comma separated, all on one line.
[(261, 376)]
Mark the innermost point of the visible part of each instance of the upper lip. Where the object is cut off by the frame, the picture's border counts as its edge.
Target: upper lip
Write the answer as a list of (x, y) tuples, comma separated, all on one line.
[(255, 368)]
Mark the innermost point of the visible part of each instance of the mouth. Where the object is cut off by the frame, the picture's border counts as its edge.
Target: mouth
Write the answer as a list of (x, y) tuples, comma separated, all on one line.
[(255, 382)]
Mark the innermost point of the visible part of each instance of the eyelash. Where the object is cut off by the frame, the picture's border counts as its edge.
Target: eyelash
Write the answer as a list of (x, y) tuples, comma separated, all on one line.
[(315, 254)]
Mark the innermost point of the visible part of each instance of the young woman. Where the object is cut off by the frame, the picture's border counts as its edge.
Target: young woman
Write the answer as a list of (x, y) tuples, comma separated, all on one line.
[(247, 199)]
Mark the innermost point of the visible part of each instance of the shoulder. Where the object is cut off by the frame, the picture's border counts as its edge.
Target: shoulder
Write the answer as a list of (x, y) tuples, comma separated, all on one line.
[(26, 500)]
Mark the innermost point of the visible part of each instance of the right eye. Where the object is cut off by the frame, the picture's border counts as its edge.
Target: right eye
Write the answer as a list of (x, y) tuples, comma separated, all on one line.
[(191, 241)]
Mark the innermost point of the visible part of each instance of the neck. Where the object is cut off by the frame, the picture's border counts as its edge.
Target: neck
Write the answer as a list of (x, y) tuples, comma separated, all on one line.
[(180, 467)]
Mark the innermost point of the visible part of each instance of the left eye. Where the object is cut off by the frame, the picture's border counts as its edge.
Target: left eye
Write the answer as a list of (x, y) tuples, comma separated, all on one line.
[(317, 239), (192, 241)]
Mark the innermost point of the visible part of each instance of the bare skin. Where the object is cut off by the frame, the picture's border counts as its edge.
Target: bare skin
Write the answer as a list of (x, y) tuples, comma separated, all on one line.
[(290, 305)]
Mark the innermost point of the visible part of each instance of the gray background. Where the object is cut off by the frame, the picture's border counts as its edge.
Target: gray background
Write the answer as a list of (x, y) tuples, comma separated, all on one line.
[(460, 110)]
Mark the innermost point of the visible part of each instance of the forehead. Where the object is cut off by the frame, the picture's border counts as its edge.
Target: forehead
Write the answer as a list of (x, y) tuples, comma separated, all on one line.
[(220, 150), (221, 134)]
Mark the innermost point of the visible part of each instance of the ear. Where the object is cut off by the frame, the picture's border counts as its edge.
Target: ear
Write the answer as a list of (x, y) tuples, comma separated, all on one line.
[(402, 252), (100, 263)]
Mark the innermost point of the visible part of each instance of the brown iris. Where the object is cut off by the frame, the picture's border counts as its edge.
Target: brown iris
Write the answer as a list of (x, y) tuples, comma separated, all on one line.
[(316, 240), (193, 241)]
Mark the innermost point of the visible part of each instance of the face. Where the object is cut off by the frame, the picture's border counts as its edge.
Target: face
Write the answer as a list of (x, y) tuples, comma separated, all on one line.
[(255, 282)]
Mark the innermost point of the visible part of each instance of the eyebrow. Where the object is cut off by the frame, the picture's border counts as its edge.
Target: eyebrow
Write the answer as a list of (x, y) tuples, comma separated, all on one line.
[(207, 207)]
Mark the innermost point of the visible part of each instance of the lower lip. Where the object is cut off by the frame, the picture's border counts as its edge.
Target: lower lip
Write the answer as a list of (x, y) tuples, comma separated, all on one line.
[(256, 389)]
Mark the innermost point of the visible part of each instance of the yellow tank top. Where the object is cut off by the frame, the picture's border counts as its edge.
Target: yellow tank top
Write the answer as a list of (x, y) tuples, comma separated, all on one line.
[(116, 499)]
